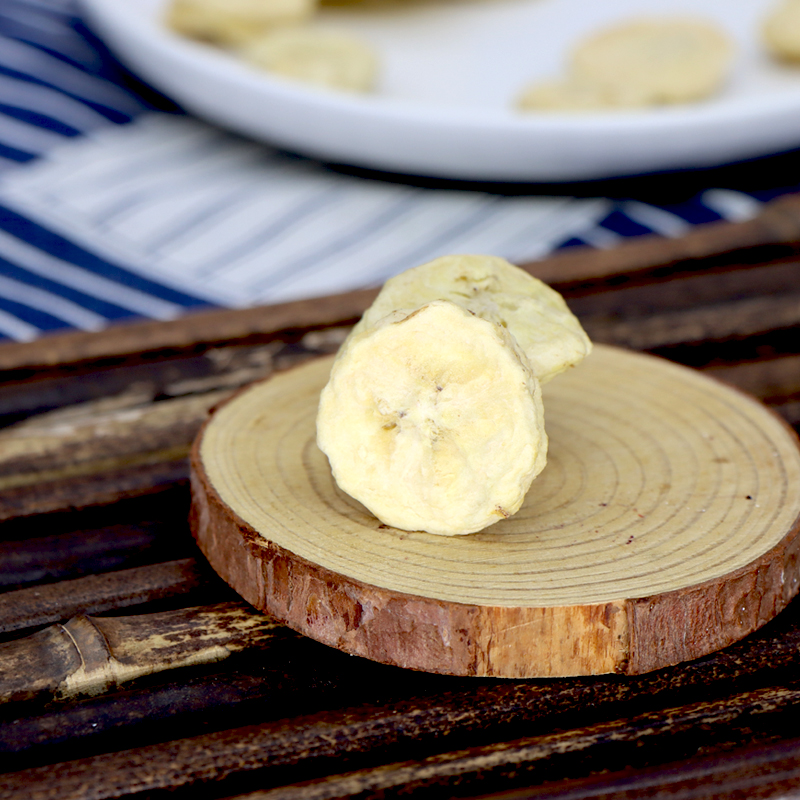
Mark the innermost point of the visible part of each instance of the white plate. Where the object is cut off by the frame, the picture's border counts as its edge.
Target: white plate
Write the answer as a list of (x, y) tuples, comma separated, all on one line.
[(451, 70)]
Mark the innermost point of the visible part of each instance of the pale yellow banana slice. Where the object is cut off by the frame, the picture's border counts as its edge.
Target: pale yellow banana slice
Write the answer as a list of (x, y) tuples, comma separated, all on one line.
[(534, 314), (562, 95), (433, 420), (781, 30), (231, 22), (654, 61), (323, 58)]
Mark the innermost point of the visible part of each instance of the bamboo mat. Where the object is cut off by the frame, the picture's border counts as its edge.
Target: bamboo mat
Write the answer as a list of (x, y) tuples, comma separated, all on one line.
[(128, 669)]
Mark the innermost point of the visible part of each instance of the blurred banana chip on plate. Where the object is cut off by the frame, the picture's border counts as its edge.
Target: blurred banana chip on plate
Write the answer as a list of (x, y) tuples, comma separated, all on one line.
[(639, 63)]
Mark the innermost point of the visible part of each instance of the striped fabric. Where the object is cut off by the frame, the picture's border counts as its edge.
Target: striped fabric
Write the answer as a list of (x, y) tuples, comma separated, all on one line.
[(114, 205), (58, 83)]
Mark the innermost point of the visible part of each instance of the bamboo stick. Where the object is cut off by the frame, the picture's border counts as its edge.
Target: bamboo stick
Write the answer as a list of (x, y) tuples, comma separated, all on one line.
[(362, 743), (738, 318), (531, 760), (92, 655), (40, 605), (755, 771)]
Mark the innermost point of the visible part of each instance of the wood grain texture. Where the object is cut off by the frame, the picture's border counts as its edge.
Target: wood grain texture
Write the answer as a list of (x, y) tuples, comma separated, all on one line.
[(773, 380), (191, 331), (332, 742), (757, 772), (41, 605), (100, 488), (738, 318), (710, 245), (90, 440), (664, 527), (132, 440), (133, 379), (776, 382), (459, 708), (527, 760), (74, 553)]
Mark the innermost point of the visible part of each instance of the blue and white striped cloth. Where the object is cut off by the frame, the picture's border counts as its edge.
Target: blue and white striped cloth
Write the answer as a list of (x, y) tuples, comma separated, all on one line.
[(115, 205)]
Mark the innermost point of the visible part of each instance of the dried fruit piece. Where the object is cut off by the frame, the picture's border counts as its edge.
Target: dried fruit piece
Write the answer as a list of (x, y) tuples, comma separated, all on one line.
[(433, 420), (640, 63), (230, 22), (319, 57), (655, 61), (781, 30), (534, 314), (563, 95)]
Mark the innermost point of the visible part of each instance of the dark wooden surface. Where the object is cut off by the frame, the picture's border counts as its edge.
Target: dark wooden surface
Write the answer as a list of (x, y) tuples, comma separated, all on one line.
[(129, 670)]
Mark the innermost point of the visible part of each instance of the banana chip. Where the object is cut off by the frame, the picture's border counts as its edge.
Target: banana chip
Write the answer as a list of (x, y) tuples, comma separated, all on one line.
[(653, 61), (637, 64), (231, 22), (434, 421), (535, 315), (433, 416), (781, 30), (323, 58)]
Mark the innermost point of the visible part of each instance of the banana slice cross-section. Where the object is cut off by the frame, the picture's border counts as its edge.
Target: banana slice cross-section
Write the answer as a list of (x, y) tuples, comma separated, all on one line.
[(433, 420)]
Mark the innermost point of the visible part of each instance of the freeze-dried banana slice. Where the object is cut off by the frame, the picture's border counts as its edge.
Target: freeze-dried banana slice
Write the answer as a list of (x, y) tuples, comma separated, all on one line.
[(324, 58), (534, 314), (640, 63), (231, 22), (433, 420), (564, 95), (653, 61), (781, 30)]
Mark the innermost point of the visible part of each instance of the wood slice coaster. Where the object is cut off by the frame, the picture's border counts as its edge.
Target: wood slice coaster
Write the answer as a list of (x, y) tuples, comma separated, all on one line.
[(665, 526)]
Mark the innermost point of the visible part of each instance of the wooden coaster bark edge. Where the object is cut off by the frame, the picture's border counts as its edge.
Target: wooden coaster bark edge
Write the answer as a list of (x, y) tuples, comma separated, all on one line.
[(629, 636)]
